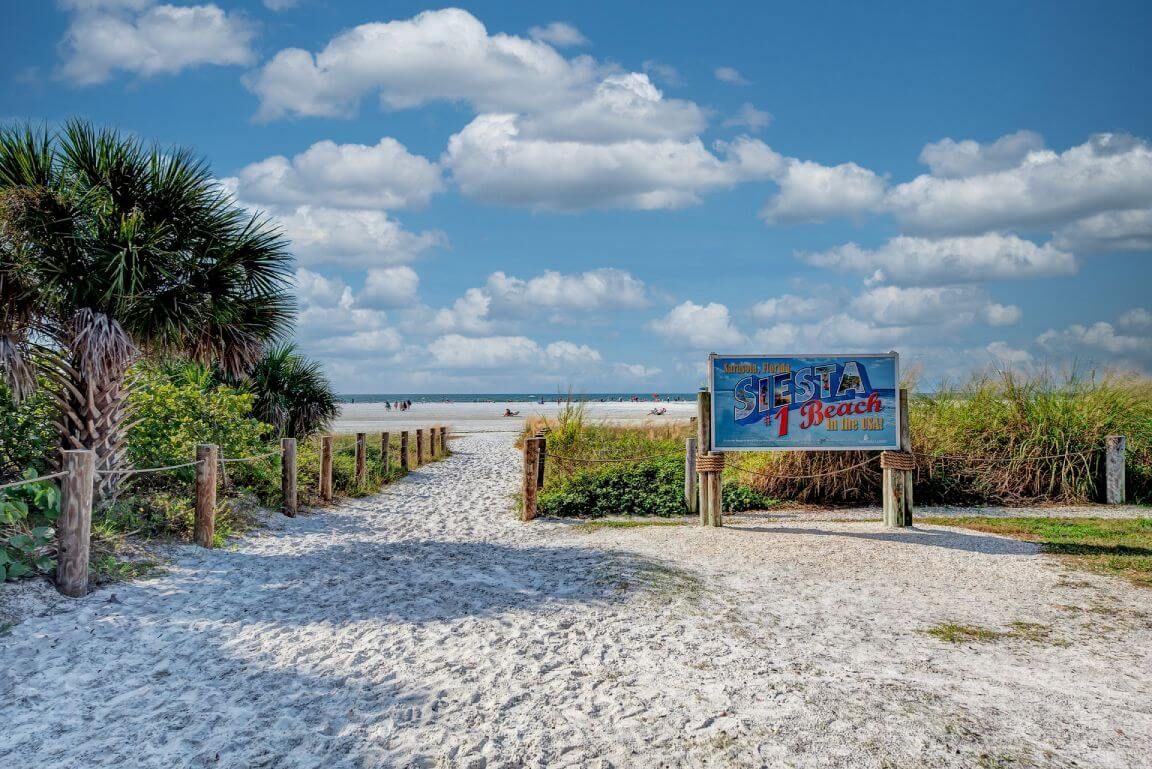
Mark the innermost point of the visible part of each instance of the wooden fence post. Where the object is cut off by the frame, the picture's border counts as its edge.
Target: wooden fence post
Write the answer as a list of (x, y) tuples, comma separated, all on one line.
[(74, 526), (404, 450), (531, 460), (361, 458), (1114, 480), (288, 476), (897, 484), (385, 453), (204, 529), (541, 459), (690, 475), (444, 439), (326, 468), (419, 447), (704, 446)]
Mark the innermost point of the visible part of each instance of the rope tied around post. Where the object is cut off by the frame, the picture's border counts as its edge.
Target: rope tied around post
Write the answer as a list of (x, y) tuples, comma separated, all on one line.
[(710, 463), (897, 460)]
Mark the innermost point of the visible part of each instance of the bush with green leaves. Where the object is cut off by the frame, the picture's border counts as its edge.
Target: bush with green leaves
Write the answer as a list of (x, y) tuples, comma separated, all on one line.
[(27, 516), (640, 488), (27, 433)]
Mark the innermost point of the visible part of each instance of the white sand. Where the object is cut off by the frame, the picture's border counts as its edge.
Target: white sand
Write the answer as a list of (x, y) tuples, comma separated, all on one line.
[(427, 627), (487, 417)]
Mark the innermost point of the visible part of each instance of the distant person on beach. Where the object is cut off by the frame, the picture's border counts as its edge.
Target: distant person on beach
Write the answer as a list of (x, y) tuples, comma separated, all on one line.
[(511, 413)]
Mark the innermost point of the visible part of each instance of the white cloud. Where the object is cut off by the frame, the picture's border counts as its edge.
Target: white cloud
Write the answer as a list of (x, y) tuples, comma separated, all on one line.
[(1005, 355), (491, 161), (443, 55), (1108, 232), (635, 371), (468, 314), (749, 117), (663, 73), (461, 352), (380, 176), (847, 333), (280, 5), (729, 75), (141, 38), (1100, 342), (590, 290), (949, 159), (559, 33), (622, 108), (810, 192), (1109, 172), (331, 321), (351, 238), (790, 307), (390, 287), (1138, 318), (698, 327), (932, 306), (909, 260)]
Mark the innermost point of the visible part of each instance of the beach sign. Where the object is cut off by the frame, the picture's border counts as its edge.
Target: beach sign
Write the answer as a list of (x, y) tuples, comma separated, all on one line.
[(805, 402)]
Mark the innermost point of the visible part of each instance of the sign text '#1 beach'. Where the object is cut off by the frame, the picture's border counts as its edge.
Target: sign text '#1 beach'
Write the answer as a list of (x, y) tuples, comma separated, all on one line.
[(805, 402)]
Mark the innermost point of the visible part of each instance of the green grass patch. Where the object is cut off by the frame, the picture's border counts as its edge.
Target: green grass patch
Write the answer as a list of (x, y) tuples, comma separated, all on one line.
[(952, 632), (1120, 547)]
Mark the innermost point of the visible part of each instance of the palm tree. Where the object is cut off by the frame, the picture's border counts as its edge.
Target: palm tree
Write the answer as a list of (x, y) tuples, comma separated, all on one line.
[(292, 392), (111, 249)]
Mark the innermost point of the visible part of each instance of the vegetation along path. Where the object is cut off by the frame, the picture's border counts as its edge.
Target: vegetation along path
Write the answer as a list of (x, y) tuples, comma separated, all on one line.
[(426, 626)]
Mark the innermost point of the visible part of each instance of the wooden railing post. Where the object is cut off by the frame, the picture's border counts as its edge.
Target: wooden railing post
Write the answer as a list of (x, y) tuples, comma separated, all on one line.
[(531, 460), (444, 439), (704, 446), (204, 529), (897, 484), (326, 468), (385, 453), (288, 476), (690, 502), (361, 458), (74, 526), (404, 450), (419, 447), (1115, 448), (541, 458)]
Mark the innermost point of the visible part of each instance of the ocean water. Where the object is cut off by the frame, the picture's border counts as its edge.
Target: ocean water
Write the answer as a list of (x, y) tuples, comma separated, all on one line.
[(515, 397)]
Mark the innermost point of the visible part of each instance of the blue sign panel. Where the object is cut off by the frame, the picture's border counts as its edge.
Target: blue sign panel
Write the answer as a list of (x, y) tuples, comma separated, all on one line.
[(805, 402)]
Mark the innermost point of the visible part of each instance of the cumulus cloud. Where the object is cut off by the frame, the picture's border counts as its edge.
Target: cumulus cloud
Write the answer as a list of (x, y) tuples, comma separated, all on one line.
[(380, 176), (949, 159), (390, 287), (811, 192), (468, 314), (351, 238), (1109, 172), (790, 307), (1007, 356), (932, 306), (698, 327), (1098, 343), (635, 371), (729, 75), (848, 333), (142, 38), (595, 289), (1138, 318), (559, 33), (749, 117), (910, 260), (442, 55), (662, 73), (491, 161), (1108, 232), (332, 323), (460, 352)]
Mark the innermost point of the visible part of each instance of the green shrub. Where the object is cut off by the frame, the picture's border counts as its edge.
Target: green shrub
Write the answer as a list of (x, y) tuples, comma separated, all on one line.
[(641, 488), (27, 516), (28, 437), (739, 497)]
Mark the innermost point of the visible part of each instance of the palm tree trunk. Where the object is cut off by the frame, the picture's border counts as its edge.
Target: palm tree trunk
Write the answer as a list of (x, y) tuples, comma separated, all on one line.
[(94, 404)]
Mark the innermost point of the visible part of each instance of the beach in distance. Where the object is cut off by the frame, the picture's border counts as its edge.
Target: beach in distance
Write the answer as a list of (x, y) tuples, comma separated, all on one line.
[(476, 414)]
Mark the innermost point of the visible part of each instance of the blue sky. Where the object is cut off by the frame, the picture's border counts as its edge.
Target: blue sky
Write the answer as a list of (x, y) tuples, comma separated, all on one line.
[(523, 196)]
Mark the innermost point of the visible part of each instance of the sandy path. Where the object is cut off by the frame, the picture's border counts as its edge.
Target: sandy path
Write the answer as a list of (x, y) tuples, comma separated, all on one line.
[(426, 627)]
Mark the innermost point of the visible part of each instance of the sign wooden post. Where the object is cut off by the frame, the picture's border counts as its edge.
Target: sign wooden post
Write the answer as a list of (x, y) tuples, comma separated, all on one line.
[(897, 488), (288, 476), (326, 468), (531, 460), (704, 445), (1115, 447), (74, 526), (385, 450), (361, 458), (204, 527), (404, 450)]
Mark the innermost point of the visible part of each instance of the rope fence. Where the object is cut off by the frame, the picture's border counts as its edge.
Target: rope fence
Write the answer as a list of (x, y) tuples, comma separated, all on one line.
[(25, 481)]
